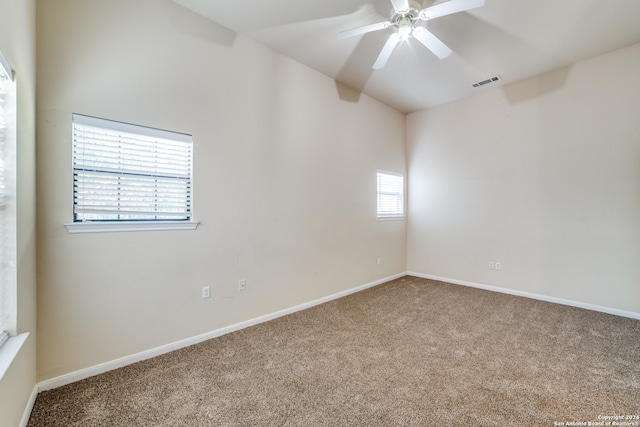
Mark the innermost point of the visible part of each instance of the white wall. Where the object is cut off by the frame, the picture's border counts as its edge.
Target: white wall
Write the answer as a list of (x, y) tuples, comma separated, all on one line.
[(17, 41), (541, 175), (284, 181)]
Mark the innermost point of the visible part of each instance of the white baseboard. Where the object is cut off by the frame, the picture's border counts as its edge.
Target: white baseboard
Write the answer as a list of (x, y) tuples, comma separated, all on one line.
[(148, 354), (540, 297), (27, 410)]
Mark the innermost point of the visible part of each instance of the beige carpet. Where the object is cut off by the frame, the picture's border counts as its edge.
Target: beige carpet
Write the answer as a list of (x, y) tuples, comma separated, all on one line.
[(411, 352)]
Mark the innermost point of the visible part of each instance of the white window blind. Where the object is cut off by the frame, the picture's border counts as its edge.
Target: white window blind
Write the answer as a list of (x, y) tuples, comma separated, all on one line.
[(8, 231), (390, 195), (125, 172)]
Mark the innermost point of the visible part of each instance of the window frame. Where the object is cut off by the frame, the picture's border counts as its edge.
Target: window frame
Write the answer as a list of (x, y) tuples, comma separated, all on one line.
[(381, 216), (144, 224)]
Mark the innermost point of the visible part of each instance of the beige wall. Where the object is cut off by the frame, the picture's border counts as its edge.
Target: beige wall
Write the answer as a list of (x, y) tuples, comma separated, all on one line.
[(284, 181), (543, 176), (17, 41)]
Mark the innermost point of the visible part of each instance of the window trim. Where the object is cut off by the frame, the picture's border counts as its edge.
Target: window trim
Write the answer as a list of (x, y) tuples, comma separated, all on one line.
[(105, 227), (391, 217), (9, 352)]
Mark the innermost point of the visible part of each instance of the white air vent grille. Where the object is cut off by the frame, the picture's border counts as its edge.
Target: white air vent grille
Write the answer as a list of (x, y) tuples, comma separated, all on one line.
[(487, 81)]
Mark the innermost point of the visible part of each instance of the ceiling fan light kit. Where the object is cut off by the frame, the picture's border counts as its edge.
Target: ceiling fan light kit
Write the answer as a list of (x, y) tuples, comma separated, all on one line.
[(409, 19)]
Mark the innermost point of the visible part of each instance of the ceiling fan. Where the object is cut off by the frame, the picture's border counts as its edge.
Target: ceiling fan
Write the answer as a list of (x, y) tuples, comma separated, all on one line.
[(407, 18)]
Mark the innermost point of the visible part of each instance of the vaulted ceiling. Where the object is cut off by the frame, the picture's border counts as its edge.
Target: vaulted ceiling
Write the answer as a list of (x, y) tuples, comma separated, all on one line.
[(514, 39)]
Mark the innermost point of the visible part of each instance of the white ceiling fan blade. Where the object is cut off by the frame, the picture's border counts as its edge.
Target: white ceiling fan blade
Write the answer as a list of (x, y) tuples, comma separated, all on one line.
[(431, 42), (400, 6), (387, 50), (449, 7), (362, 30)]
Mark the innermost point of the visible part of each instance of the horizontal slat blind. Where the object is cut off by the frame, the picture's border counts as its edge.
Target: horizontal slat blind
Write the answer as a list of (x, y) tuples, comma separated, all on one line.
[(125, 172), (390, 195)]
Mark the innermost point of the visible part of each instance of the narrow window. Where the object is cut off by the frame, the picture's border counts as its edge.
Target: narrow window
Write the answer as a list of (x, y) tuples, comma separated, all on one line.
[(8, 230), (390, 195), (124, 172)]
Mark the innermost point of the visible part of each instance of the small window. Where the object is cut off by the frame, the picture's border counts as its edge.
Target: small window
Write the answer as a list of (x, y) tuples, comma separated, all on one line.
[(128, 173), (390, 195)]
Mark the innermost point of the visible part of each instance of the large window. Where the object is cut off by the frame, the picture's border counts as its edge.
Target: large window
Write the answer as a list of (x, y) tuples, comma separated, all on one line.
[(8, 231), (129, 173), (390, 195)]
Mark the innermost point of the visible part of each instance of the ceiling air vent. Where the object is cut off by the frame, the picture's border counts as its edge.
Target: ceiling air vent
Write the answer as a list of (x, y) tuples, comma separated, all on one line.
[(487, 81)]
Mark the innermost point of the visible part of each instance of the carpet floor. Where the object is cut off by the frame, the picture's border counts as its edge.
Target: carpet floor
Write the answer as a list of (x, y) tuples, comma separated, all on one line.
[(411, 352)]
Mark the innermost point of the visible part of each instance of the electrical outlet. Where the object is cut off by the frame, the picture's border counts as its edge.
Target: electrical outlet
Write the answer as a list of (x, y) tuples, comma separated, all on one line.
[(498, 266), (206, 292), (378, 262), (491, 265), (242, 285)]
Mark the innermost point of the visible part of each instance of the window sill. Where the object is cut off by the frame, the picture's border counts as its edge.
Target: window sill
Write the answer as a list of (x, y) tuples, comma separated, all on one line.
[(9, 351), (390, 218), (102, 227)]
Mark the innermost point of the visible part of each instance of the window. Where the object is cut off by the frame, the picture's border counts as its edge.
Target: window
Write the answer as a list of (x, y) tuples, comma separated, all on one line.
[(124, 173), (8, 231), (390, 195)]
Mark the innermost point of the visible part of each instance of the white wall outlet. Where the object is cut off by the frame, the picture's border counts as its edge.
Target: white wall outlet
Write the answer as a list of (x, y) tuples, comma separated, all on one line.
[(498, 266), (378, 262), (491, 265), (242, 285), (206, 292)]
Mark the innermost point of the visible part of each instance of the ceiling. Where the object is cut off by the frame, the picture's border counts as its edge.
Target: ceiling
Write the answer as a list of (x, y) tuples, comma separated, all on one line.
[(514, 39)]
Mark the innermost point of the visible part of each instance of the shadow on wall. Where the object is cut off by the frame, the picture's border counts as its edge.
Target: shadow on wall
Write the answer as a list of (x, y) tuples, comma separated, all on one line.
[(347, 93), (529, 89)]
